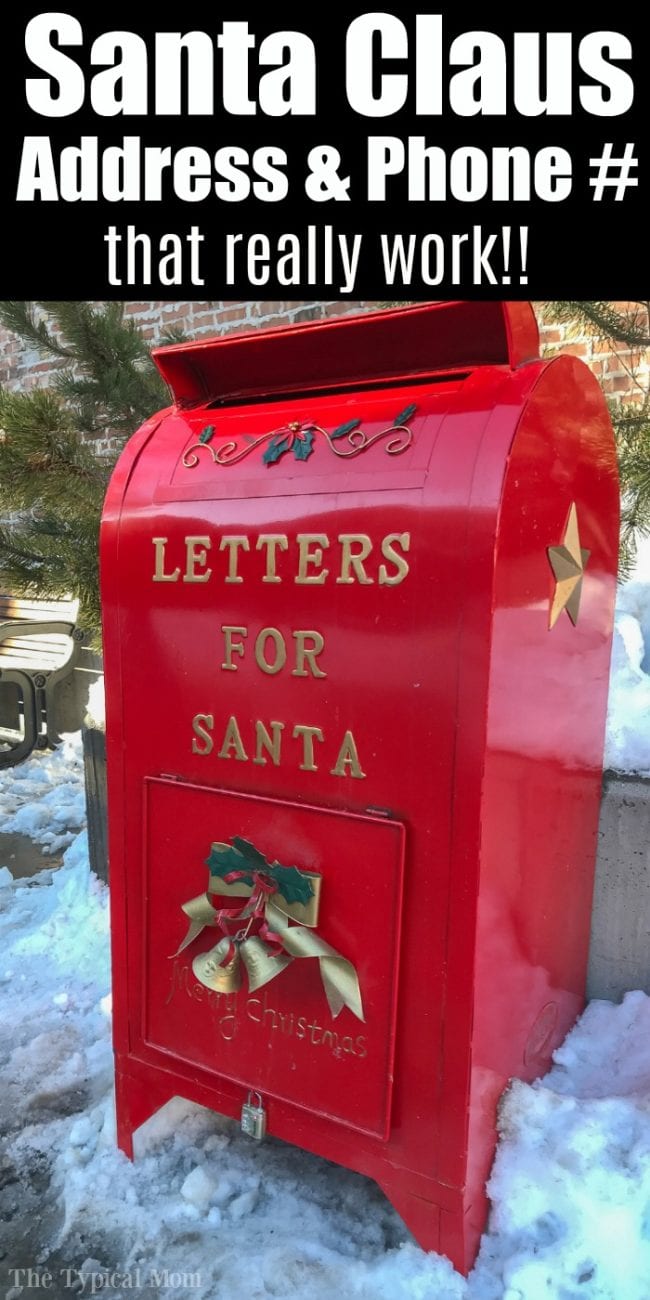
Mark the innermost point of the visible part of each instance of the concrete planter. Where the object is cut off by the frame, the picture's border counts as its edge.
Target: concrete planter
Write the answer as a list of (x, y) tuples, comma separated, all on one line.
[(620, 928)]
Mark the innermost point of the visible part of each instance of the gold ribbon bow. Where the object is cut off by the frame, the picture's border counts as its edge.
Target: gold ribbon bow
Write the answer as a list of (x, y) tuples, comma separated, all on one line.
[(339, 977)]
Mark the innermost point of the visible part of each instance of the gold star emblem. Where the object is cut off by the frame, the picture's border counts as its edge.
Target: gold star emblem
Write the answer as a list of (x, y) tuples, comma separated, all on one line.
[(568, 564)]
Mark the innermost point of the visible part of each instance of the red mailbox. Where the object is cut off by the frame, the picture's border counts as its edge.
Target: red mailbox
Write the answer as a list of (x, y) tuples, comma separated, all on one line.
[(358, 586)]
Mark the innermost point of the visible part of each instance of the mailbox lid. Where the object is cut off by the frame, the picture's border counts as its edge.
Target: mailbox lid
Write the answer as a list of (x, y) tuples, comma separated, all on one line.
[(333, 406), (377, 347)]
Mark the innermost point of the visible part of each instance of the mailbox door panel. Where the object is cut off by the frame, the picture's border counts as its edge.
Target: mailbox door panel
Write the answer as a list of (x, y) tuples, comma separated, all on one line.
[(280, 1038)]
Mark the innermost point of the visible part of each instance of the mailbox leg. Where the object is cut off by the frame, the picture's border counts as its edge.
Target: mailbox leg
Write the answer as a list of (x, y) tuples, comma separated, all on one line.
[(135, 1102), (449, 1229), (421, 1216), (460, 1234), (124, 1123), (123, 1114)]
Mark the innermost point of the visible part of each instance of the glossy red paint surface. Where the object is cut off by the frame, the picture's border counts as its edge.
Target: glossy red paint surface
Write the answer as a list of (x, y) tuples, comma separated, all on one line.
[(457, 869)]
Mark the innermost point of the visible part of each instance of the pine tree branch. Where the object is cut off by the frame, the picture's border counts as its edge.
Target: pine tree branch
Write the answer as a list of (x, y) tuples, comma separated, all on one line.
[(47, 558), (173, 334), (49, 474), (603, 320), (99, 335), (20, 318), (42, 459)]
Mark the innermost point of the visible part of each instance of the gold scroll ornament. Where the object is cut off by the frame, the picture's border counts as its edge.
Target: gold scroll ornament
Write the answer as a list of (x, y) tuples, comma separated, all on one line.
[(299, 437), (339, 977)]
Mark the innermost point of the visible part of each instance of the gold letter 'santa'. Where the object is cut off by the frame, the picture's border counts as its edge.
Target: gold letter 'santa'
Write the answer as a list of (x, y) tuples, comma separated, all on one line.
[(264, 741), (233, 741), (348, 757), (308, 735), (202, 725), (268, 742), (159, 574)]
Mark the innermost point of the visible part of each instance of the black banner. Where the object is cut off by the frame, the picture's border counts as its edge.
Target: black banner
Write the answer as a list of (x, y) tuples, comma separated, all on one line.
[(394, 155)]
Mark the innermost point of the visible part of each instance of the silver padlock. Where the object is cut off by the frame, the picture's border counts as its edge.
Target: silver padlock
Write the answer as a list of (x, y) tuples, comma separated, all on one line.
[(253, 1116)]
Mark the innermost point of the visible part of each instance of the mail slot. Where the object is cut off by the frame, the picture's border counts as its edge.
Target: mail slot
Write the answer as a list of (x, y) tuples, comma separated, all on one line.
[(358, 585)]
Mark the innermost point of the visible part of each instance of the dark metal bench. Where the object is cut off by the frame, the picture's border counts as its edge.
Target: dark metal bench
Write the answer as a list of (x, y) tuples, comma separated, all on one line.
[(40, 645)]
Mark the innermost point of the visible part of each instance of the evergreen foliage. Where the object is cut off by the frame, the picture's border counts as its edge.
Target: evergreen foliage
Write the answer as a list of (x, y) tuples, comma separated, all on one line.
[(52, 484), (631, 420)]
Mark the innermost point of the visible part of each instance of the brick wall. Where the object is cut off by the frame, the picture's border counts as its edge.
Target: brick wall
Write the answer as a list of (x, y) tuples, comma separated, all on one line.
[(624, 375)]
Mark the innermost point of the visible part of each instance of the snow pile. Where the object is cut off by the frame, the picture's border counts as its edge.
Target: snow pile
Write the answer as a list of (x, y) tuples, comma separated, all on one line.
[(44, 796), (571, 1181), (628, 720), (96, 706), (570, 1186), (201, 1198)]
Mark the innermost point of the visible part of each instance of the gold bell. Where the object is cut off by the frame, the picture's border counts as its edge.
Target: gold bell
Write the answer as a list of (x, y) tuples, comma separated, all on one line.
[(223, 979), (261, 965)]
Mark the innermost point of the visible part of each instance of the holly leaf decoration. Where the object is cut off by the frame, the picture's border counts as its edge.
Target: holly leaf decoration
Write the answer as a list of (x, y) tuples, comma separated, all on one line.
[(254, 859), (344, 429), (224, 858), (276, 449), (206, 434), (241, 855), (293, 884), (304, 445), (406, 415)]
